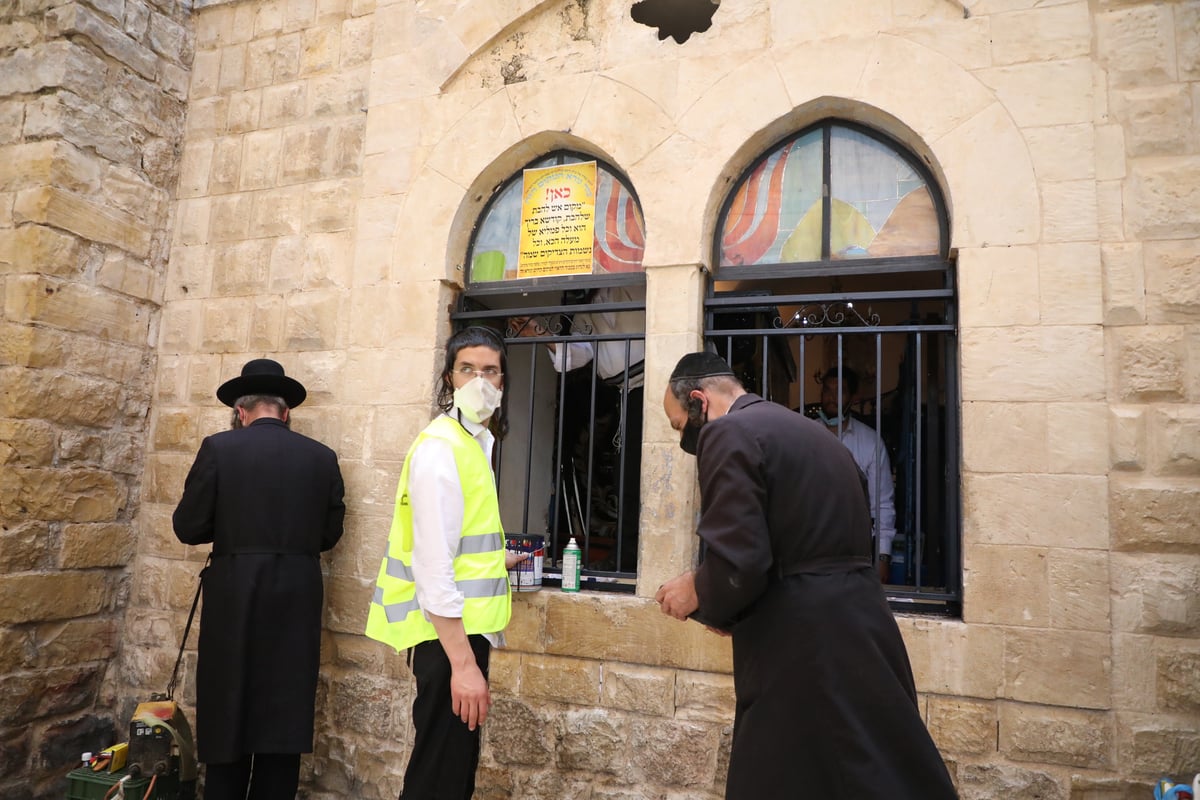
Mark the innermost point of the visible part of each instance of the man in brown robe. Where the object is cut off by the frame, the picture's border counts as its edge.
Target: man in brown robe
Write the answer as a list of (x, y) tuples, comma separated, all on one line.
[(826, 705)]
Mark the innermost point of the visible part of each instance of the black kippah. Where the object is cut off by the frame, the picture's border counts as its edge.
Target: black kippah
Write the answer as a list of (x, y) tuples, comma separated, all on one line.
[(700, 365)]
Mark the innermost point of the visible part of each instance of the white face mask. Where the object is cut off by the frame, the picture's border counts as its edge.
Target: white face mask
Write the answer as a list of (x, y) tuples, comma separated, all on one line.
[(477, 399), (832, 422)]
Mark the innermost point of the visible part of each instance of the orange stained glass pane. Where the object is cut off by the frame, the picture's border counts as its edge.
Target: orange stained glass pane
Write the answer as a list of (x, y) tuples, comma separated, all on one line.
[(879, 204)]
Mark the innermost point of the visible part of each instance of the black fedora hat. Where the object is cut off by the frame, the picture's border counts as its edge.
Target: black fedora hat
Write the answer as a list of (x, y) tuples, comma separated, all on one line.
[(262, 376)]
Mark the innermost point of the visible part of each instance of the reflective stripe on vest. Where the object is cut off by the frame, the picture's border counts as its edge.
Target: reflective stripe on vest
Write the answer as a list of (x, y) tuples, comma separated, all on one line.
[(482, 587), (395, 616)]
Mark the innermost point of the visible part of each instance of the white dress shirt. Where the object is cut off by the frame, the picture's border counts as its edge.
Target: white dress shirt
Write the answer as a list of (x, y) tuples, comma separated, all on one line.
[(437, 503), (610, 356), (871, 456)]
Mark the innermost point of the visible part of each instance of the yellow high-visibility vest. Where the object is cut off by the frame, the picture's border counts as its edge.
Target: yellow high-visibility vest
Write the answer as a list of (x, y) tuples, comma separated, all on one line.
[(395, 616)]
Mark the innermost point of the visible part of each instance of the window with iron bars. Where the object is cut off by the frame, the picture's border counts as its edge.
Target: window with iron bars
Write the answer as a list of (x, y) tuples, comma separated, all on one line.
[(571, 462), (834, 294)]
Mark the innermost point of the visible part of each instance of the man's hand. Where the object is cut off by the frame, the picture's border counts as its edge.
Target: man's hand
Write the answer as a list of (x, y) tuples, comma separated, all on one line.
[(527, 326), (469, 694), (512, 558), (677, 597)]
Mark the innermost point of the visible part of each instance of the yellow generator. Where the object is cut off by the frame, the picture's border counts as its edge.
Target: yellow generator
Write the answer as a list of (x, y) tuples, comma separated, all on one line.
[(157, 763), (159, 760), (160, 741)]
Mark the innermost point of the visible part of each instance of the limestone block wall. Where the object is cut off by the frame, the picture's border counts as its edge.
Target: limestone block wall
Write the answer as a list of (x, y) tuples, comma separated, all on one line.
[(1012, 105), (1149, 225), (92, 103), (262, 263), (337, 155)]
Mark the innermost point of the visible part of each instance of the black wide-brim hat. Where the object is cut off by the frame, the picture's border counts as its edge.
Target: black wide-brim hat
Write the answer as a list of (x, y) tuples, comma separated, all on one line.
[(262, 376)]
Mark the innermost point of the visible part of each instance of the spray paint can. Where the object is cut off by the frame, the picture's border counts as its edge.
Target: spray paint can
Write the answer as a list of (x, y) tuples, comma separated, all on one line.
[(526, 576), (571, 562)]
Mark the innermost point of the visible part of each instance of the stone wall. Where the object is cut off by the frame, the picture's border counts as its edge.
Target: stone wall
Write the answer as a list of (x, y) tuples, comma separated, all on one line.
[(92, 103), (337, 153), (1149, 212), (1071, 674), (262, 262)]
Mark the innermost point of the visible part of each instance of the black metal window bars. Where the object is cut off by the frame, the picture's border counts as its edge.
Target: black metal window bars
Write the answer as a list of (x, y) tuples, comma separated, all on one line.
[(908, 335), (570, 466)]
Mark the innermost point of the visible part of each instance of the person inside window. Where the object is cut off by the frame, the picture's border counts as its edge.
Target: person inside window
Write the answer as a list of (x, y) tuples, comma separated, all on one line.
[(616, 470), (869, 453)]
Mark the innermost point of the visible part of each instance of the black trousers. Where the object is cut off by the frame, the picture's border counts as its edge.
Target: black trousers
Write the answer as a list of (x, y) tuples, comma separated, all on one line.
[(259, 776), (445, 752)]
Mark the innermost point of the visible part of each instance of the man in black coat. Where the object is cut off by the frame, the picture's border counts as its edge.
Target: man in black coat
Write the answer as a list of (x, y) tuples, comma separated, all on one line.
[(269, 501), (826, 705)]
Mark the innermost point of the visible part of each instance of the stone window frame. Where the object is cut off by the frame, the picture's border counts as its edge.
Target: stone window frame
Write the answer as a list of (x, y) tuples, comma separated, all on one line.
[(782, 309), (553, 301)]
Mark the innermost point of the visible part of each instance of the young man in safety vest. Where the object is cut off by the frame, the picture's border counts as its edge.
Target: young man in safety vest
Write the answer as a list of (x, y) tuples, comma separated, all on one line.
[(443, 586)]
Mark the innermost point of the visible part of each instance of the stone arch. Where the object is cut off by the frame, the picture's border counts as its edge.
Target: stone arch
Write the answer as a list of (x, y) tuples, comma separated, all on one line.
[(476, 24), (803, 116), (525, 120), (431, 49), (884, 81), (499, 170)]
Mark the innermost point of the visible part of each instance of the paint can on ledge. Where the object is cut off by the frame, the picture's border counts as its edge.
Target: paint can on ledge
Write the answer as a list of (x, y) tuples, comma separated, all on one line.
[(526, 576)]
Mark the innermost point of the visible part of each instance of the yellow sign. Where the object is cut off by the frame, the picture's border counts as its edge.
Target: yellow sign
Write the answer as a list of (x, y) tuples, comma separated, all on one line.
[(558, 220)]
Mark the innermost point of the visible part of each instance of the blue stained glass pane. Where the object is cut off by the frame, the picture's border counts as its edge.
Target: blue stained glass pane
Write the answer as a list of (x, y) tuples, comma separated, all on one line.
[(868, 175), (881, 205)]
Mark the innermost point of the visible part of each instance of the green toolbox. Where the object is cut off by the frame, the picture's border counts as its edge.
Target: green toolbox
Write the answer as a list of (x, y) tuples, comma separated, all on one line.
[(85, 784)]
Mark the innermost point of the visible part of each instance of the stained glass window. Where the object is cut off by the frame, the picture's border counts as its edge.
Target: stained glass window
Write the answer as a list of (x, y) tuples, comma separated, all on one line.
[(619, 240), (834, 270), (573, 317), (878, 204)]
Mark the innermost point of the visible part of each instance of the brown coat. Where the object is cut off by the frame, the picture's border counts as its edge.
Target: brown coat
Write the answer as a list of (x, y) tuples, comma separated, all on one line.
[(826, 705)]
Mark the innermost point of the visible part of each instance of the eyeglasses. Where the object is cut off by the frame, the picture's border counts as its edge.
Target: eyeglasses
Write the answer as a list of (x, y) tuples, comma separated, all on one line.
[(487, 373)]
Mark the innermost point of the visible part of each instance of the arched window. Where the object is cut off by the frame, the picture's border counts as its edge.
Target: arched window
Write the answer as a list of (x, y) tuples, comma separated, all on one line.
[(834, 294), (555, 263), (834, 193), (618, 238)]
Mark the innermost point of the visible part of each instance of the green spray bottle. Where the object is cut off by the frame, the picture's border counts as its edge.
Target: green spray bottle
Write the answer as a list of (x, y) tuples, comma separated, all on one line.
[(572, 560)]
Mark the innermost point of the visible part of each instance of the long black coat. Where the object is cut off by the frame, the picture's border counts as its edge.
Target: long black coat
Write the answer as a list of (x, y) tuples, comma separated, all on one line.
[(826, 705), (270, 501)]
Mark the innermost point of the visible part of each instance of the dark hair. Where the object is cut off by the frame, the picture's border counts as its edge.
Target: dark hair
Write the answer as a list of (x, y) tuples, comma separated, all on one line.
[(700, 365), (474, 336), (682, 388), (847, 374), (253, 401), (700, 371)]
